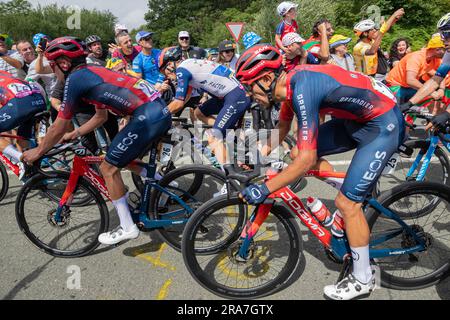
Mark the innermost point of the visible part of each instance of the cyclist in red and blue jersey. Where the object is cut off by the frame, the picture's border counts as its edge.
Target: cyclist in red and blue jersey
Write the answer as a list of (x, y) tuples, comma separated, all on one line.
[(123, 95), (19, 102), (434, 83), (229, 100), (366, 118)]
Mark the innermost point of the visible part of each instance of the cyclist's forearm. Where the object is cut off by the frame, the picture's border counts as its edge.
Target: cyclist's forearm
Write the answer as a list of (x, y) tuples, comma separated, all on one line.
[(95, 122), (428, 88)]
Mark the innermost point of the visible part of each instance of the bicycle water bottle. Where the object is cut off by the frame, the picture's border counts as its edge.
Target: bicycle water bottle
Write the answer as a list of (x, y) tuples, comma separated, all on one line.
[(338, 227), (320, 211)]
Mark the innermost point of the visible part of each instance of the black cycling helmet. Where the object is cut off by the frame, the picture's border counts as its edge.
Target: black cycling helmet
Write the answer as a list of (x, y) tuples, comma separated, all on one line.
[(92, 39)]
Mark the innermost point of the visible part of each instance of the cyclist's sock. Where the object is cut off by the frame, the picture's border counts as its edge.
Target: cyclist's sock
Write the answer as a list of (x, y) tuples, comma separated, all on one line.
[(361, 264), (12, 153), (123, 211)]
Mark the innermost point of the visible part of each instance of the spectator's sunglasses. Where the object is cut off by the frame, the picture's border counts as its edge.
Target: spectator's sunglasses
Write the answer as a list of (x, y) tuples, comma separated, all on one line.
[(184, 38), (228, 51), (2, 38), (147, 38)]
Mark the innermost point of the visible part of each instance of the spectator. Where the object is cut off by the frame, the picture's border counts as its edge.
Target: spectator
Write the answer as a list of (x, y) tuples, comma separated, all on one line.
[(125, 50), (27, 52), (250, 39), (146, 63), (188, 51), (288, 11), (339, 52), (410, 74), (213, 54), (10, 61), (367, 52), (318, 43), (227, 54), (399, 49), (295, 54), (97, 56), (119, 28)]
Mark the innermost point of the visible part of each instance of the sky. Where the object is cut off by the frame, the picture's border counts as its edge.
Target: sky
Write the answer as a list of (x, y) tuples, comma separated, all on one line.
[(129, 12)]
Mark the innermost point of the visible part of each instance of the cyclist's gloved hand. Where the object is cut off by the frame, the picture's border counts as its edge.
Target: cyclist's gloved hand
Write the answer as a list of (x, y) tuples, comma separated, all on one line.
[(256, 194), (405, 106), (441, 120)]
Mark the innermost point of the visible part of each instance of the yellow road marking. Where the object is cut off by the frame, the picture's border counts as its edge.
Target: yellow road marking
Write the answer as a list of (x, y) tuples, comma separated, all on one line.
[(164, 290)]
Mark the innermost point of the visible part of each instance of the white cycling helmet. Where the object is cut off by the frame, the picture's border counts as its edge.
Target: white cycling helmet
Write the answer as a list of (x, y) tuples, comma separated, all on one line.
[(444, 23), (284, 7), (364, 26)]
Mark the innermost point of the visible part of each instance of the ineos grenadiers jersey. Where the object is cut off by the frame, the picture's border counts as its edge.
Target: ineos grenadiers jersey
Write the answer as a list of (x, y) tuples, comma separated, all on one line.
[(329, 89), (12, 88), (444, 69), (211, 77), (105, 89)]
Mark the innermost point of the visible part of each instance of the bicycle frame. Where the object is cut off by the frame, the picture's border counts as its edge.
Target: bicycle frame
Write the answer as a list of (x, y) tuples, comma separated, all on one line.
[(13, 167), (81, 168), (338, 246), (434, 141)]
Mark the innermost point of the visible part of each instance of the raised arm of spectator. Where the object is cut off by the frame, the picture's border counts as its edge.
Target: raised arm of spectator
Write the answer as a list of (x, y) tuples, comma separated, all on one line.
[(324, 53), (11, 61), (279, 42), (40, 68)]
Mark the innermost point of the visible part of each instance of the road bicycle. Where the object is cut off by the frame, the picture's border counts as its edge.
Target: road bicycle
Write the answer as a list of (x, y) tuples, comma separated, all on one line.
[(244, 252), (64, 228)]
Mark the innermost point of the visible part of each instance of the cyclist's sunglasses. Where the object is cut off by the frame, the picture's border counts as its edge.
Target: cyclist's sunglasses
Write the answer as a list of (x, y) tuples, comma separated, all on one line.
[(184, 38), (445, 34)]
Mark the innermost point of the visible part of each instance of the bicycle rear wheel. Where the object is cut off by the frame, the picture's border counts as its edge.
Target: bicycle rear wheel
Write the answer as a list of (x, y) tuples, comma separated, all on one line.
[(211, 241), (76, 233), (195, 185), (421, 269), (4, 183)]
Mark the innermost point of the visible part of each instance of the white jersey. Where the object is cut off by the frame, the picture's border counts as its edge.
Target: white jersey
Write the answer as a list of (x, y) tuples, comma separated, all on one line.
[(209, 76)]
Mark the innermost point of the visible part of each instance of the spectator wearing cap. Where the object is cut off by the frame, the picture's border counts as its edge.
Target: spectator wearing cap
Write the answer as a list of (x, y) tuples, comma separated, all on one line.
[(251, 39), (10, 61), (295, 54), (97, 56), (288, 11), (369, 58), (339, 52), (227, 54), (318, 44), (145, 65), (410, 74)]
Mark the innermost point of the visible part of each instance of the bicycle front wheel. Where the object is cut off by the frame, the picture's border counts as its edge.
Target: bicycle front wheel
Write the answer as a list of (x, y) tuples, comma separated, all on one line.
[(211, 242), (71, 233), (420, 269), (4, 183)]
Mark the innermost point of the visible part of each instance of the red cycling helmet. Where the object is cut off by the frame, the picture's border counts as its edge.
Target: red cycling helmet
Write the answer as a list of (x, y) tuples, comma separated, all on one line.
[(258, 61), (70, 47)]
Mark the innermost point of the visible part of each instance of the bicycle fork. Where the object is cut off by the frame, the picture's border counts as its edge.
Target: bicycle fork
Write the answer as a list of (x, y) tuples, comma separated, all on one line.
[(252, 228)]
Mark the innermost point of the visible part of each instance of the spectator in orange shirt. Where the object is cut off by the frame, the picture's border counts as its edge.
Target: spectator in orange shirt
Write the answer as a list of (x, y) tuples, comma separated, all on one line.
[(415, 69)]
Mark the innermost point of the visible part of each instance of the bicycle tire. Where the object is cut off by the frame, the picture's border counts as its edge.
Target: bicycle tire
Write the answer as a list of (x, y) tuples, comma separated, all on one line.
[(272, 284), (5, 181), (392, 197), (38, 183), (173, 236)]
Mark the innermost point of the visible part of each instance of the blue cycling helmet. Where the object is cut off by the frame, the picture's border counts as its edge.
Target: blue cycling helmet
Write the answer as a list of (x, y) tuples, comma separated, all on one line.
[(250, 39), (37, 38)]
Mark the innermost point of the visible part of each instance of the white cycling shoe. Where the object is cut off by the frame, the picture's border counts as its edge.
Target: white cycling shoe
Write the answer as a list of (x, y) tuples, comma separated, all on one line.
[(349, 288), (118, 235)]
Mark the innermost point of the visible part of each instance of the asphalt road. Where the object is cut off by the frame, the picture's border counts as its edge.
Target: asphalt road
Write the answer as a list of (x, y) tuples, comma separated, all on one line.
[(148, 269)]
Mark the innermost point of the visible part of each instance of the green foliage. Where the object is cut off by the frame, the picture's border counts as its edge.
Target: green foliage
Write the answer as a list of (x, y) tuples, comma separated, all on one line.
[(21, 20)]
